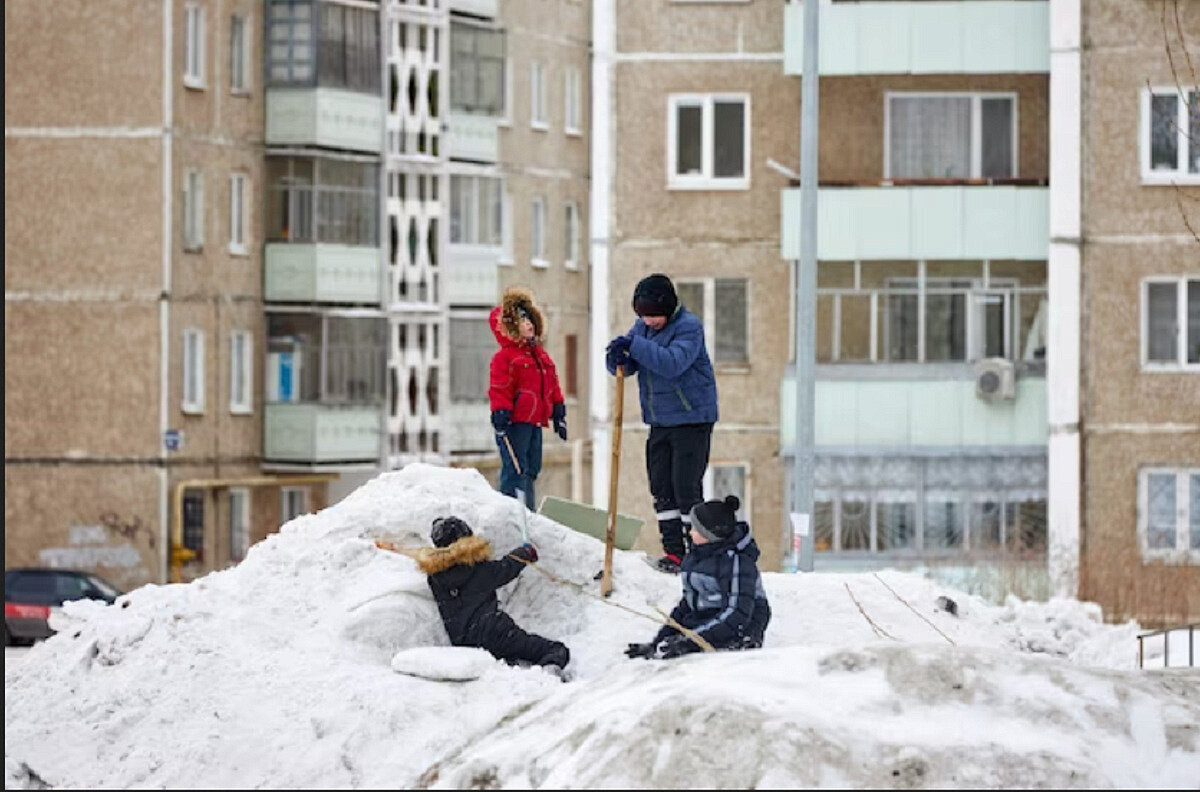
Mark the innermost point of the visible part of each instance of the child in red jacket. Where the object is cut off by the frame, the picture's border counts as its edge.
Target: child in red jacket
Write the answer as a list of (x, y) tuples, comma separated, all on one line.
[(523, 391)]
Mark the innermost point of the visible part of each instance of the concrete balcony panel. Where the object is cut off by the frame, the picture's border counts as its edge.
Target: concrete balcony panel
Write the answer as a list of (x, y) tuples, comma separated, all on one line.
[(471, 276), (339, 274), (474, 137), (467, 427), (937, 222), (324, 117), (309, 433), (483, 8), (924, 37), (918, 412)]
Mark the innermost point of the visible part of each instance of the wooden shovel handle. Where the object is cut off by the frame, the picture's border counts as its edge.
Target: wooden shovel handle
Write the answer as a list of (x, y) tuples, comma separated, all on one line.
[(610, 535)]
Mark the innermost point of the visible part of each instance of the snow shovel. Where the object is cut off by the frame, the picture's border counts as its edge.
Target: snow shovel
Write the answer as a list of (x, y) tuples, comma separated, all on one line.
[(611, 534), (520, 492)]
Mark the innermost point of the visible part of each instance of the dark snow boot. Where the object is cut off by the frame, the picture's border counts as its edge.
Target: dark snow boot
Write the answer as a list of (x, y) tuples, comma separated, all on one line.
[(556, 659)]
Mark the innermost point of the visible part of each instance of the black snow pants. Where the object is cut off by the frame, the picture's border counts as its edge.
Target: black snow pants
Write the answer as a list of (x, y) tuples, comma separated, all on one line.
[(676, 458), (500, 635)]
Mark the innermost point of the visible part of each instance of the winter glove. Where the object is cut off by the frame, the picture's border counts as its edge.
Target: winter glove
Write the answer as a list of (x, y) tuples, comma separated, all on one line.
[(618, 350), (526, 552), (559, 415), (676, 646), (501, 420), (645, 650)]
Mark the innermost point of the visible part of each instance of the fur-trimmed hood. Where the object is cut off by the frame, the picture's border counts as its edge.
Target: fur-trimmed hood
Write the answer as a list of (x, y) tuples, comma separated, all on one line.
[(506, 323), (467, 550)]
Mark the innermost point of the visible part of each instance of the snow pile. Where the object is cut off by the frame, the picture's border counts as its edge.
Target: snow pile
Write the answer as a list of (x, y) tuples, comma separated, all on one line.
[(278, 673)]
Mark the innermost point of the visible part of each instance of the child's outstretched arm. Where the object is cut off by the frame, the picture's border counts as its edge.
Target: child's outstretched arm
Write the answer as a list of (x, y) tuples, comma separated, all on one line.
[(505, 570)]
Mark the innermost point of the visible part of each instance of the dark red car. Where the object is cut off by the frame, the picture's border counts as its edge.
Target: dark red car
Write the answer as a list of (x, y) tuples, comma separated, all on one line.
[(31, 594)]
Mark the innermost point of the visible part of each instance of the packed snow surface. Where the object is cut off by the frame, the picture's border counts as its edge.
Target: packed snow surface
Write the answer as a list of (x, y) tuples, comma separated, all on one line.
[(278, 673)]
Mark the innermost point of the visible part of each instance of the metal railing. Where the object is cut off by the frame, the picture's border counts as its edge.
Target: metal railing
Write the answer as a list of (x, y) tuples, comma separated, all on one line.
[(1166, 636)]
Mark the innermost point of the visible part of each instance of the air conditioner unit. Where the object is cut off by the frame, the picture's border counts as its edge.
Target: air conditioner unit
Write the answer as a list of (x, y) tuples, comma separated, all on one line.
[(995, 380)]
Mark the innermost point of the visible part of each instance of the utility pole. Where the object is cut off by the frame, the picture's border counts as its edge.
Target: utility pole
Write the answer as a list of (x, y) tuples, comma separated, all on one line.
[(806, 299)]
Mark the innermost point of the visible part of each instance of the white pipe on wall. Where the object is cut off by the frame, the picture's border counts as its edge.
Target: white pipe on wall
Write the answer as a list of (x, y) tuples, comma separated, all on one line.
[(164, 304)]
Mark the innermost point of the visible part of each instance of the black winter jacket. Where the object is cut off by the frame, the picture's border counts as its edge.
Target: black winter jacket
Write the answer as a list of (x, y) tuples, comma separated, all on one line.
[(464, 579), (723, 596)]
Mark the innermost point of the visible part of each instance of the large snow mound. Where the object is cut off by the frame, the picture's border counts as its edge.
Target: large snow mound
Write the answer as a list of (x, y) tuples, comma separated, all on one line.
[(277, 673)]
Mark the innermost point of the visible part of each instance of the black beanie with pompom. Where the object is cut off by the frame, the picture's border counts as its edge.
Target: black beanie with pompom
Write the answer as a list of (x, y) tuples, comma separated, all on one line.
[(716, 519)]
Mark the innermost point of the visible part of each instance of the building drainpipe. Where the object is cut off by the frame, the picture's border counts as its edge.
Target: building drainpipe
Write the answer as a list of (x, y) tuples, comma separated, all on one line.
[(603, 46), (164, 298)]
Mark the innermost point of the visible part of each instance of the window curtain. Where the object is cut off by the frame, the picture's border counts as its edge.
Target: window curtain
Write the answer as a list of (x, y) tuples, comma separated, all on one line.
[(930, 137)]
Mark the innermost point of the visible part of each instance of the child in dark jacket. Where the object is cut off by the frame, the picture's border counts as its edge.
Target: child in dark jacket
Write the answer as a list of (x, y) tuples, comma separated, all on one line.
[(723, 597), (464, 579)]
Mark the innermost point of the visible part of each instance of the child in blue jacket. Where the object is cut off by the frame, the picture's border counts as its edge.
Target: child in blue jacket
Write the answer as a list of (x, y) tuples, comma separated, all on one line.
[(723, 597)]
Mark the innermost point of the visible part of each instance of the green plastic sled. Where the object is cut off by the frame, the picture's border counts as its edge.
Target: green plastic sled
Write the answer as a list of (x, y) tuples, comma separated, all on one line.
[(590, 520)]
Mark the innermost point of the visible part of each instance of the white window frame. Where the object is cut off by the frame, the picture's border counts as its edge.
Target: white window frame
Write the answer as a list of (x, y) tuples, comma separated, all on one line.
[(976, 98), (507, 257), (239, 523), (1182, 553), (241, 368), (538, 233), (710, 322), (238, 214), (284, 493), (473, 178), (571, 236), (571, 103), (1180, 175), (193, 46), (1181, 288), (538, 118), (192, 369), (506, 117), (705, 181), (747, 502), (193, 211), (239, 48)]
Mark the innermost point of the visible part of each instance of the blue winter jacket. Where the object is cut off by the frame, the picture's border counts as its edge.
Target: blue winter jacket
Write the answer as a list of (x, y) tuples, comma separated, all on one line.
[(675, 375), (723, 596)]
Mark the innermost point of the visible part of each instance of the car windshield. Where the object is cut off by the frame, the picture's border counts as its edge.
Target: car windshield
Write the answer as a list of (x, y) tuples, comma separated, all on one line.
[(103, 587)]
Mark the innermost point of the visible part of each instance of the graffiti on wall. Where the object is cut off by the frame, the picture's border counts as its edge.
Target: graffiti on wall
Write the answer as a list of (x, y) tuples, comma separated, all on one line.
[(107, 544)]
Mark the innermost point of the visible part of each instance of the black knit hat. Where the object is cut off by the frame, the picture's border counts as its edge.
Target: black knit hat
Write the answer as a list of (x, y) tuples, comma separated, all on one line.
[(447, 530), (655, 296), (716, 519)]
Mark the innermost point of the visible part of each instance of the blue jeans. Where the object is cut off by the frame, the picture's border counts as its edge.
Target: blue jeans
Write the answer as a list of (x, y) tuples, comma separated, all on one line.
[(526, 441)]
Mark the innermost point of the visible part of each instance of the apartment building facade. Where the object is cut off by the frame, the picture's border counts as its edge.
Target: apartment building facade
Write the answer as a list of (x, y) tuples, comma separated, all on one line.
[(1125, 418), (133, 384)]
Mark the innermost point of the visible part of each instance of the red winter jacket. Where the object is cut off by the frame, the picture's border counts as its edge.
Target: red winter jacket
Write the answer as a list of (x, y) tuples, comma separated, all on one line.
[(523, 378)]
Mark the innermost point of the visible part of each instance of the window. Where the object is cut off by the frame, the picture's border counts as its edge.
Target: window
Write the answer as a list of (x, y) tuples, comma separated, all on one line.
[(708, 141), (478, 70), (193, 371), (1170, 135), (348, 48), (291, 42), (538, 233), (239, 54), (193, 522), (537, 96), (571, 366), (241, 372), (293, 503), (193, 46), (322, 200), (193, 211), (571, 94), (571, 236), (950, 136), (325, 359), (722, 479), (476, 210), (723, 306), (1171, 323), (1169, 514), (239, 523), (237, 213), (471, 348)]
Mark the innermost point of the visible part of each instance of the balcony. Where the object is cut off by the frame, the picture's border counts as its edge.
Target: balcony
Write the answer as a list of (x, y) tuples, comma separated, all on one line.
[(474, 137), (467, 428), (933, 407), (472, 276), (321, 434), (318, 273), (480, 8), (962, 221), (924, 37), (326, 117)]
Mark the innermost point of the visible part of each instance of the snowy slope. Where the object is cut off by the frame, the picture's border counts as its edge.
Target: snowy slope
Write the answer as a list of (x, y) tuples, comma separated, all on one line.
[(277, 673)]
